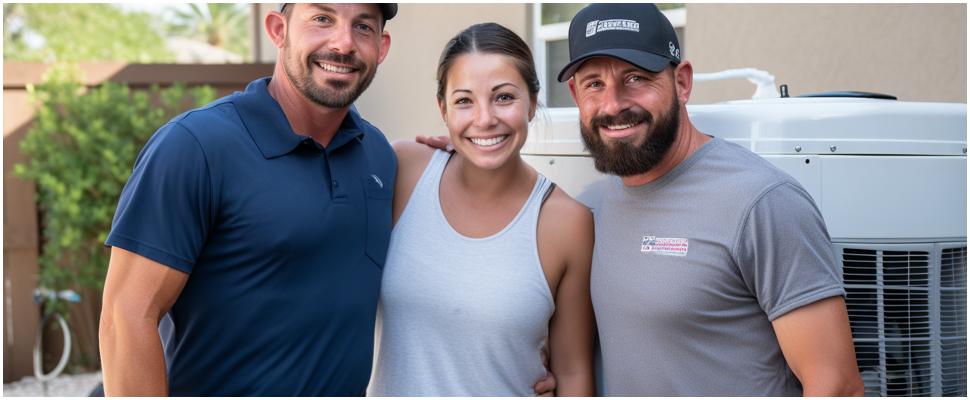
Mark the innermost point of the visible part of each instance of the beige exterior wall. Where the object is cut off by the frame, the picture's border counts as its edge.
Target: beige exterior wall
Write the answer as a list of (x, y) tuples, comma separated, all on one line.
[(916, 52)]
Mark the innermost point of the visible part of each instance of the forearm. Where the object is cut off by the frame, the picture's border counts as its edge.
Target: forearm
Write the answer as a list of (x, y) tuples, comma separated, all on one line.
[(574, 384), (849, 384), (131, 357)]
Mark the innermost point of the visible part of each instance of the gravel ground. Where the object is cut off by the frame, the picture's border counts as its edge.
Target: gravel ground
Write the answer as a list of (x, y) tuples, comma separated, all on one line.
[(63, 386)]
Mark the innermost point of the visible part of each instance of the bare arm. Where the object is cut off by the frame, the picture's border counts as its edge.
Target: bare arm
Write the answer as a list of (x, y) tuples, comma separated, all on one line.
[(817, 343), (137, 293), (412, 158), (572, 326)]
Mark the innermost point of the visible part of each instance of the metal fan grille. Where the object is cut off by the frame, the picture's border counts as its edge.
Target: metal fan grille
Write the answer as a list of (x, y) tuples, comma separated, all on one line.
[(953, 321), (907, 311)]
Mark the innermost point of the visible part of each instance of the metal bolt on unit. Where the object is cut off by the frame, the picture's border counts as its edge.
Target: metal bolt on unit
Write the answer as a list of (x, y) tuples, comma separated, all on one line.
[(798, 149), (964, 150), (552, 161), (833, 148)]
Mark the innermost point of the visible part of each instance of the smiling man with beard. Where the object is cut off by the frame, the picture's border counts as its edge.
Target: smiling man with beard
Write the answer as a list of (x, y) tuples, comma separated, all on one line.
[(257, 226), (713, 273)]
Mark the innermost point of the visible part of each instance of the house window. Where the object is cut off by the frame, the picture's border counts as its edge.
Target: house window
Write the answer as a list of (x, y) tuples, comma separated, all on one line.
[(551, 46)]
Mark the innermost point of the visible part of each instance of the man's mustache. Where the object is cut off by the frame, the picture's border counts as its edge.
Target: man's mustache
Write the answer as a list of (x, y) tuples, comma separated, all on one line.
[(625, 117), (336, 58)]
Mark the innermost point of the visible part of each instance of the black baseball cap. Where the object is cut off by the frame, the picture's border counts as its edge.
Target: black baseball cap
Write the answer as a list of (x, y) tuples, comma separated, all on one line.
[(388, 10), (636, 33)]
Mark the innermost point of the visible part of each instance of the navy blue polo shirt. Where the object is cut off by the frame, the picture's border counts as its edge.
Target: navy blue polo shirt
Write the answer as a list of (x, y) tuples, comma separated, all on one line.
[(283, 241)]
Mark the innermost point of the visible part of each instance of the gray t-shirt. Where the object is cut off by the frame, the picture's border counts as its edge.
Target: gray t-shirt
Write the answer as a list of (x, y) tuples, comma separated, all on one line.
[(690, 270)]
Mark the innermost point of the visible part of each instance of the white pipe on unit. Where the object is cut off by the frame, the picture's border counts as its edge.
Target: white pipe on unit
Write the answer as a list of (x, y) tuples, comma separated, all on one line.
[(764, 81)]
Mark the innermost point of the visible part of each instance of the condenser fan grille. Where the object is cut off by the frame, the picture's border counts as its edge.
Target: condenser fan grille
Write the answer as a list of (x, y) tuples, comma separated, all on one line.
[(907, 310), (953, 321)]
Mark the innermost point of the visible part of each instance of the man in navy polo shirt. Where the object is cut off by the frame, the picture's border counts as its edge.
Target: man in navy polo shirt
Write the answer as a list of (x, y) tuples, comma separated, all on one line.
[(259, 225)]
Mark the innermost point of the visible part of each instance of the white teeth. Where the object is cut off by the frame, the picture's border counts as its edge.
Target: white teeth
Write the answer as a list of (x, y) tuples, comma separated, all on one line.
[(618, 127), (489, 142), (334, 68)]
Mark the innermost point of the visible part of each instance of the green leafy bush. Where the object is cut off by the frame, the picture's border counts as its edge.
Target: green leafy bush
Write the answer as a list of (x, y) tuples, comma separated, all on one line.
[(54, 32), (81, 150)]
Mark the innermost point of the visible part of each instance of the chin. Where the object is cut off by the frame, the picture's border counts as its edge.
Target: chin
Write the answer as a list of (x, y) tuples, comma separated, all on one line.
[(487, 161)]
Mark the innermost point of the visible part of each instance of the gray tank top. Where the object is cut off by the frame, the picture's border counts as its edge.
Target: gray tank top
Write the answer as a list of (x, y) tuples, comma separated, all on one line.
[(461, 316)]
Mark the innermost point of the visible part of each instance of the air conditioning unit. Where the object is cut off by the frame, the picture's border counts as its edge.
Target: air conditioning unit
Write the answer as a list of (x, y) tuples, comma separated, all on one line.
[(890, 179)]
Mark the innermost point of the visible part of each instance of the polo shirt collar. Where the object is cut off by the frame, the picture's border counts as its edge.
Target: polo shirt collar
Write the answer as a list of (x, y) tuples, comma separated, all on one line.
[(269, 128)]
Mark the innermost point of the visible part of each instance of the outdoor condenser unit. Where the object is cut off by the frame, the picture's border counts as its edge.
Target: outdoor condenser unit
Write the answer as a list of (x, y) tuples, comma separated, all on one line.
[(890, 179)]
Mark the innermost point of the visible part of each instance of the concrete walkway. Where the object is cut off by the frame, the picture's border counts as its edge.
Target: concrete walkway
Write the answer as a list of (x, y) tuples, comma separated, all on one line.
[(63, 386)]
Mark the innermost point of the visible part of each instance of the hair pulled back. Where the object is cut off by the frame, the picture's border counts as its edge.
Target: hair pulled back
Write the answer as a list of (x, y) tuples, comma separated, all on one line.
[(489, 38)]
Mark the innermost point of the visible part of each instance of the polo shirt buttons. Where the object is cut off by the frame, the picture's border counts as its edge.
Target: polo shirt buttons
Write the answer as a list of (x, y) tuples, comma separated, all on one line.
[(335, 183)]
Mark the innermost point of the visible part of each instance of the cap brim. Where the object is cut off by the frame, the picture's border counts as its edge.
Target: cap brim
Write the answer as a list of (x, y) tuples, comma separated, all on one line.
[(648, 61)]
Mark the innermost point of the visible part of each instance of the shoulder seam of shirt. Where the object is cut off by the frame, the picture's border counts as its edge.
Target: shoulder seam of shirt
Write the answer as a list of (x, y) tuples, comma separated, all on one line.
[(208, 170)]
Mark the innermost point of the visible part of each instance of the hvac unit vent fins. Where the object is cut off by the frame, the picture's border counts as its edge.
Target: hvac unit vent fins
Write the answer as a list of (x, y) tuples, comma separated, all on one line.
[(953, 321), (907, 310)]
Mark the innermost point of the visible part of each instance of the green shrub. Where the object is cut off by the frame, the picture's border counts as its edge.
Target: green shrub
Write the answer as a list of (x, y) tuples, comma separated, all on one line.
[(81, 150)]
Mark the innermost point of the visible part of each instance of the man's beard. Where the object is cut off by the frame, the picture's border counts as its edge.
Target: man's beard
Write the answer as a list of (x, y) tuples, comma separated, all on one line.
[(339, 94), (625, 158)]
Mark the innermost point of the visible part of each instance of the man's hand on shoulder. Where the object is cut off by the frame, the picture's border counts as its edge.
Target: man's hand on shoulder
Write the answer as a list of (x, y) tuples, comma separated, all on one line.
[(438, 142)]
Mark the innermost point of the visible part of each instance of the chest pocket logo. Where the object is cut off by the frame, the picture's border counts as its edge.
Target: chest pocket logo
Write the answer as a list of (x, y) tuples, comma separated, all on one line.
[(664, 246)]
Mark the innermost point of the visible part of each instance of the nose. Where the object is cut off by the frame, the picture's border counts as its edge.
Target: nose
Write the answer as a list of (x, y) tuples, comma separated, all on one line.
[(613, 100), (342, 41), (485, 116)]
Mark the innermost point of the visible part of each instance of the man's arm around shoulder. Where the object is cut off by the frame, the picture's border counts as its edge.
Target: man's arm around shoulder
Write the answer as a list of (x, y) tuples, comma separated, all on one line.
[(817, 344), (137, 294)]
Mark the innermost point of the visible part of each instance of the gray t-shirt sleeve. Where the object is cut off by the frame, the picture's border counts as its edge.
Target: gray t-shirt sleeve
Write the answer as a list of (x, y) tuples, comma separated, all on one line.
[(784, 252)]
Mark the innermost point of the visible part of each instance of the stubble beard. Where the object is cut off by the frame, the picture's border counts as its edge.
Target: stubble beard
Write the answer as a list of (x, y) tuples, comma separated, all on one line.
[(339, 93)]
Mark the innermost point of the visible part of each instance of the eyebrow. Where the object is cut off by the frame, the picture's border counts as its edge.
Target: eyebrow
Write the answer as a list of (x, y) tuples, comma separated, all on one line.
[(499, 86), (588, 77), (496, 87)]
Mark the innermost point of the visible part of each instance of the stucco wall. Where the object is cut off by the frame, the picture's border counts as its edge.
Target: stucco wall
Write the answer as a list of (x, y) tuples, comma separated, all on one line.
[(916, 52)]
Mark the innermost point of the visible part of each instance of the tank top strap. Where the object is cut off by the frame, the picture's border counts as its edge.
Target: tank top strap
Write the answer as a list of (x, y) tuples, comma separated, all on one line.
[(534, 204), (431, 177)]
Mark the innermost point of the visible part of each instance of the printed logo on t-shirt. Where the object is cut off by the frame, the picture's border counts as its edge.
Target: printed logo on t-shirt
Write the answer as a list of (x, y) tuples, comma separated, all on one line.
[(664, 246)]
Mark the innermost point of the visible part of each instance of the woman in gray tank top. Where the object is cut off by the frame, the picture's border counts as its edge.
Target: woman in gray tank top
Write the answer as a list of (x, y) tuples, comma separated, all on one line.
[(488, 261)]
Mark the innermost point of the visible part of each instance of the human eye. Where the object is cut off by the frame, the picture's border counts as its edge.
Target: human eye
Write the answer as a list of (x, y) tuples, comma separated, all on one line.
[(503, 98), (323, 19), (594, 84), (462, 101), (366, 28)]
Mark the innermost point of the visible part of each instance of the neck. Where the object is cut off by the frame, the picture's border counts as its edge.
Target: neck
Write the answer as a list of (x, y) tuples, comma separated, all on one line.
[(688, 140), (305, 117), (491, 183)]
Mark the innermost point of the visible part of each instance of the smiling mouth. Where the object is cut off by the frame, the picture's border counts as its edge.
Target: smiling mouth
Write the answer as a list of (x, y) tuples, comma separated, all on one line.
[(620, 127), (619, 130), (336, 68), (488, 142)]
